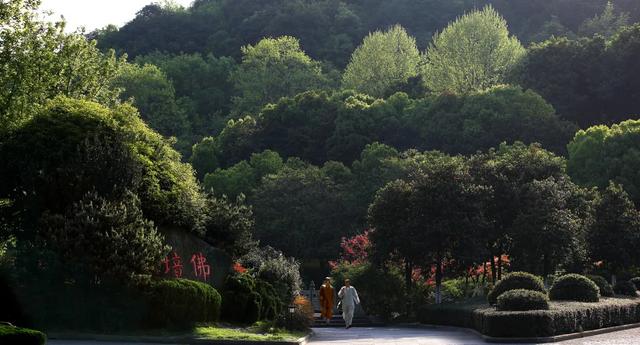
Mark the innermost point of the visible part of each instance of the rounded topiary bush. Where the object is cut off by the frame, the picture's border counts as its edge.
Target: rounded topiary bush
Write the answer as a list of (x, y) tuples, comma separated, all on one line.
[(636, 282), (23, 336), (177, 303), (625, 288), (605, 288), (574, 287), (513, 281), (521, 300)]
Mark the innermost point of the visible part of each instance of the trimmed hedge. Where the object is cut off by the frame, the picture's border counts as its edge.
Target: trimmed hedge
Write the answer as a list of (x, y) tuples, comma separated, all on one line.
[(562, 318), (606, 290), (574, 287), (22, 336), (636, 282), (513, 281), (180, 303), (521, 300), (625, 288)]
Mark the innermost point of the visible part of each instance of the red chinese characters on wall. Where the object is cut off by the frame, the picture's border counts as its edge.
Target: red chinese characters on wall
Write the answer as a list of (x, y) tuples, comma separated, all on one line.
[(173, 266)]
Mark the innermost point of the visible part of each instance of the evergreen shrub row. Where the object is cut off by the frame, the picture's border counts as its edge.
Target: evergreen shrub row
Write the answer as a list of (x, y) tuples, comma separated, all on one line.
[(562, 318)]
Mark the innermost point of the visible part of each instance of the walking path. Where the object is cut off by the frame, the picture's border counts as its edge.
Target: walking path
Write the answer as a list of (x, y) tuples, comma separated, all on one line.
[(440, 336)]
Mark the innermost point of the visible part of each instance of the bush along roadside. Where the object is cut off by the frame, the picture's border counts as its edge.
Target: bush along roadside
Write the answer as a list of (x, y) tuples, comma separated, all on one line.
[(521, 300), (625, 288), (606, 290), (513, 281), (574, 287), (15, 335), (562, 318)]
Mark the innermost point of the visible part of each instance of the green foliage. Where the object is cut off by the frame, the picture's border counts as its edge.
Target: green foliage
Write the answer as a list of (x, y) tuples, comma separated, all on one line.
[(39, 61), (472, 54), (179, 303), (605, 288), (625, 288), (574, 287), (636, 282), (271, 266), (589, 80), (601, 154), (302, 317), (204, 157), (550, 228), (562, 318), (482, 120), (614, 236), (72, 147), (104, 238), (240, 301), (381, 290), (229, 225), (606, 24), (148, 88), (201, 82), (271, 69), (522, 300), (23, 336), (384, 60), (515, 281), (290, 217)]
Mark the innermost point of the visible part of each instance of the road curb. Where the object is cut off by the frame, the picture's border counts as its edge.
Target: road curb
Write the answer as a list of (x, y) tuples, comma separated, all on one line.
[(173, 339), (552, 339)]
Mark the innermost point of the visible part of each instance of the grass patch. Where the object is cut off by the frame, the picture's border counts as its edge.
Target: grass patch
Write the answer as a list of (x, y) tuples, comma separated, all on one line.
[(561, 318), (24, 336), (255, 333)]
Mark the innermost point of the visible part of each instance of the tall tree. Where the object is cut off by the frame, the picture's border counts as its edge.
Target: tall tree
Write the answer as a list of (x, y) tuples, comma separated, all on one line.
[(600, 154), (473, 53), (383, 61), (606, 24), (39, 61), (271, 69), (615, 234)]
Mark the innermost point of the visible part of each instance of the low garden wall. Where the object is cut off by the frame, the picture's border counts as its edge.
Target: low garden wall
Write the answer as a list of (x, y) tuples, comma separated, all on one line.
[(562, 318)]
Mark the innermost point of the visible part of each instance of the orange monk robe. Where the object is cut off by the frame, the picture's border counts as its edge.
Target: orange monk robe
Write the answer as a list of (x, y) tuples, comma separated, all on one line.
[(326, 301)]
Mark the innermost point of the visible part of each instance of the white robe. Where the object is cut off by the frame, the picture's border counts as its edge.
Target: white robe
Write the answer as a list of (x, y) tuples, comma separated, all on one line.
[(349, 297)]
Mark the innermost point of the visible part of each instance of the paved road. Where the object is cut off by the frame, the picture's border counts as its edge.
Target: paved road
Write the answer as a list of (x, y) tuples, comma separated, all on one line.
[(436, 336)]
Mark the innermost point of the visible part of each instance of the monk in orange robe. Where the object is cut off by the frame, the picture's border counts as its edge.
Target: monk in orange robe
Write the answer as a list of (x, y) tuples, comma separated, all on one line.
[(326, 300)]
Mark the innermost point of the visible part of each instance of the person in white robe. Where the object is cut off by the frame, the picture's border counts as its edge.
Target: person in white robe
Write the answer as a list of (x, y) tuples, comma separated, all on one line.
[(349, 298)]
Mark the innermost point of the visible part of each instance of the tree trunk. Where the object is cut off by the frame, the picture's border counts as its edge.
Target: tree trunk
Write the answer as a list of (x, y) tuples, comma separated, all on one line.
[(408, 270), (500, 267), (438, 281), (484, 272), (613, 279)]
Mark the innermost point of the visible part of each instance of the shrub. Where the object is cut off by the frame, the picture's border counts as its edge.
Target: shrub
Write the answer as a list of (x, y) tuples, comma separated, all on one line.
[(605, 288), (381, 292), (636, 282), (625, 288), (271, 306), (178, 303), (273, 267), (302, 317), (574, 287), (521, 300), (240, 302), (23, 336), (562, 318), (513, 281)]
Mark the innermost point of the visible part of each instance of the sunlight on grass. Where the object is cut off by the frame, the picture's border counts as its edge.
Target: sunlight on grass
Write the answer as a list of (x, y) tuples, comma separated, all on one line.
[(256, 332)]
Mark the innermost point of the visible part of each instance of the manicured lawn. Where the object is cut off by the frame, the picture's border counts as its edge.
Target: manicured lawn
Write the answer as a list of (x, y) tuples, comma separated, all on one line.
[(256, 332)]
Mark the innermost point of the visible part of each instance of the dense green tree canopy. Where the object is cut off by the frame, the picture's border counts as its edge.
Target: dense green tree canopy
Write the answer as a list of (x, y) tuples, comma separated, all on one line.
[(383, 60), (472, 54), (72, 147), (600, 154), (271, 69), (148, 88), (615, 234), (38, 61)]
